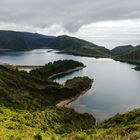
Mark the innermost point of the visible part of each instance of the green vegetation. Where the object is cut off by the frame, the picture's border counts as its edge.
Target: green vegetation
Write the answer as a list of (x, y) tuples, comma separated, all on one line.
[(28, 106), (12, 41), (137, 68), (28, 91), (48, 123), (72, 45), (56, 68), (132, 55), (77, 83), (28, 111), (97, 52), (28, 100), (127, 54), (122, 50)]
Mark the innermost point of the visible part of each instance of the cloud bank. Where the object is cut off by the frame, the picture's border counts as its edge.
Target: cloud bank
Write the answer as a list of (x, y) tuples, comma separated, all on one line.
[(67, 15)]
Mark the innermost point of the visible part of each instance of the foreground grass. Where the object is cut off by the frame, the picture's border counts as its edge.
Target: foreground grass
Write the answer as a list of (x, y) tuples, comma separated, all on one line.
[(51, 122), (65, 124)]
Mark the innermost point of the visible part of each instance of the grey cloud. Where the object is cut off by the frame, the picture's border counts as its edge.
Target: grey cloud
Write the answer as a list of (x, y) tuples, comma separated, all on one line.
[(71, 14)]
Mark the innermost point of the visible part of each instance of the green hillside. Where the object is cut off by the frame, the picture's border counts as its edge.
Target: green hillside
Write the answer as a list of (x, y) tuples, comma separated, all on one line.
[(127, 52), (28, 105), (72, 45), (137, 68), (134, 54), (122, 50), (11, 40), (28, 109), (55, 68)]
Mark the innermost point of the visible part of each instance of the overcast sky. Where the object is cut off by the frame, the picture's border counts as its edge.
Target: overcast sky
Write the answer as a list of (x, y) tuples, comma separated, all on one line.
[(82, 18)]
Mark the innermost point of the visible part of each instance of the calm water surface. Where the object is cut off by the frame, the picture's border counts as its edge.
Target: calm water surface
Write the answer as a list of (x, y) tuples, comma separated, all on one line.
[(116, 86)]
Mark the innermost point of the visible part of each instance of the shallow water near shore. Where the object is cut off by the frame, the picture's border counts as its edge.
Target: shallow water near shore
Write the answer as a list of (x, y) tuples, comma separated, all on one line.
[(116, 86)]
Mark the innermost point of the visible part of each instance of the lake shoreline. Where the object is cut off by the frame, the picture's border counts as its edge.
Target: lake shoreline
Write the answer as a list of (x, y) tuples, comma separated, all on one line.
[(66, 72), (65, 103)]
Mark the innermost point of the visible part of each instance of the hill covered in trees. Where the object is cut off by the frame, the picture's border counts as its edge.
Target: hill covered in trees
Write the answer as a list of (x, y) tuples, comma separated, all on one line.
[(56, 68), (12, 40), (128, 52)]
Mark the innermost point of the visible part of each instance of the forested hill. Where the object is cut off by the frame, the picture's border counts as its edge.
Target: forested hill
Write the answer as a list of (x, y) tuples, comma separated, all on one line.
[(56, 68), (127, 52), (12, 40)]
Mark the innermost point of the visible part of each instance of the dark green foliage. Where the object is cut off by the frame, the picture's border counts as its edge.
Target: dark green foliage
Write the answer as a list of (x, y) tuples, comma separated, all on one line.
[(137, 68), (27, 105), (79, 83), (10, 40), (127, 53), (122, 50), (133, 55), (37, 137), (64, 41), (55, 68), (132, 117), (88, 51), (77, 46), (24, 91)]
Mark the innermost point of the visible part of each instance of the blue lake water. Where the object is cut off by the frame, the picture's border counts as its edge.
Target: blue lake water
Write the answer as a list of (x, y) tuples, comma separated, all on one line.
[(116, 86)]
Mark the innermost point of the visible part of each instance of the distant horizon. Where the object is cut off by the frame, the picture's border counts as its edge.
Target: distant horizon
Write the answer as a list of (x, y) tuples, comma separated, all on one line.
[(111, 23), (99, 40)]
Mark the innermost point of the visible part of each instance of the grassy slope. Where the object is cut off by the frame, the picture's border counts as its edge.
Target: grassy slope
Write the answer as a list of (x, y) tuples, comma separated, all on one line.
[(79, 47), (27, 107), (122, 50), (89, 51), (27, 111), (25, 115), (127, 53)]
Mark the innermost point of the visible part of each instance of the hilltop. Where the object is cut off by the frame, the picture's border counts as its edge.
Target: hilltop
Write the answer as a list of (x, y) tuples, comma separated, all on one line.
[(13, 40), (127, 52)]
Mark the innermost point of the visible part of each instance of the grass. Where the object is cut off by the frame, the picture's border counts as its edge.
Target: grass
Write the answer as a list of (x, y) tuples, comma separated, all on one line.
[(28, 111)]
